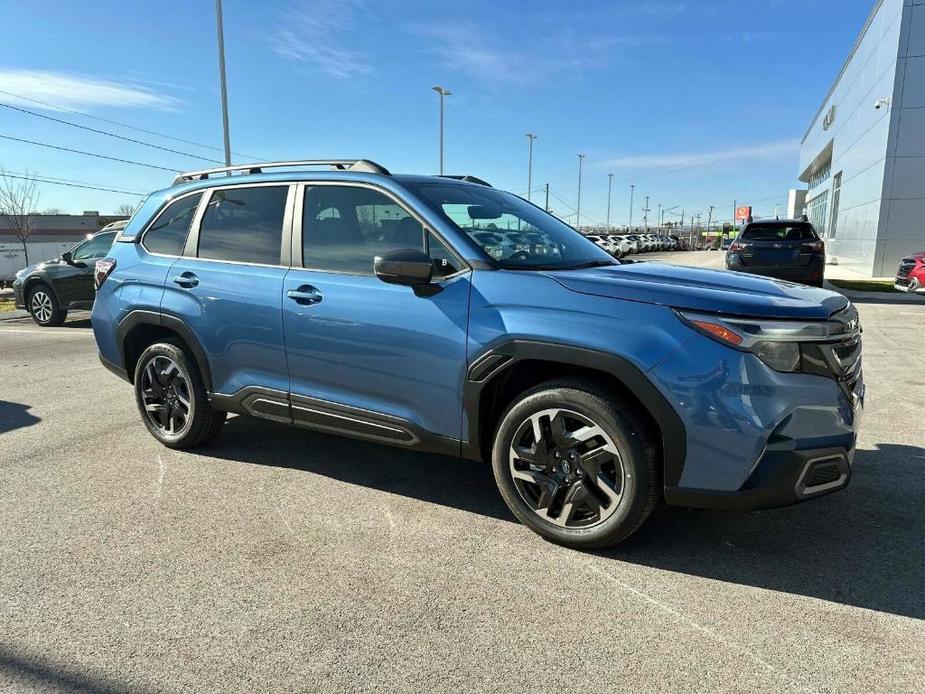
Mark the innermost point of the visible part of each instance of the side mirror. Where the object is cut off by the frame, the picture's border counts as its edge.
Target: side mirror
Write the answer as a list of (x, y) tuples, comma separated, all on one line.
[(405, 266), (67, 257)]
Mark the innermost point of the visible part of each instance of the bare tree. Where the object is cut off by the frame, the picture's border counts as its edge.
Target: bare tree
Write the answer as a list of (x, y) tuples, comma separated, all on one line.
[(19, 199), (125, 210)]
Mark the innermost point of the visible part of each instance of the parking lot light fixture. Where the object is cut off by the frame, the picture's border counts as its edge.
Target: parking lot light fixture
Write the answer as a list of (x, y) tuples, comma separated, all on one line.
[(531, 137), (581, 158), (443, 93)]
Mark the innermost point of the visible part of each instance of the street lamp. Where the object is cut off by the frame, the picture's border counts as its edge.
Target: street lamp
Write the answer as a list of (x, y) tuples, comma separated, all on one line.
[(581, 158), (443, 93), (221, 69), (531, 137), (609, 188), (632, 190)]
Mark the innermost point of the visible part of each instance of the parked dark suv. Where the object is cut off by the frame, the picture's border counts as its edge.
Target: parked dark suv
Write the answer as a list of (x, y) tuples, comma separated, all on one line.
[(788, 249), (377, 306), (50, 288)]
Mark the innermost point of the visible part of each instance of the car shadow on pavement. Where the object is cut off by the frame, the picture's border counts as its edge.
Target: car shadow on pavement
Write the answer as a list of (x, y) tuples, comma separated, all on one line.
[(15, 415), (862, 546)]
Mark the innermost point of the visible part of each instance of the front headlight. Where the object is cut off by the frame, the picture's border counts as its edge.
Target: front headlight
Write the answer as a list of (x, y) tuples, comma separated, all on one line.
[(778, 343), (20, 273)]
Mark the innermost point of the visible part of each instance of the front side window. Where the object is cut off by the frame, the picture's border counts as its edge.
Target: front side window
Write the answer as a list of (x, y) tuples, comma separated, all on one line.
[(167, 235), (95, 248), (244, 225), (516, 234), (345, 227)]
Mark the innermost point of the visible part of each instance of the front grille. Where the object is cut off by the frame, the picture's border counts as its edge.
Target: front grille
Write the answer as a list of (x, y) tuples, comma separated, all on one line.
[(823, 473), (905, 267), (902, 281)]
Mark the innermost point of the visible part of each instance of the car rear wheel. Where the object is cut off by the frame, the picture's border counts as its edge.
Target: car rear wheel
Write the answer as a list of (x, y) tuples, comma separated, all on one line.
[(575, 465), (44, 307), (172, 399)]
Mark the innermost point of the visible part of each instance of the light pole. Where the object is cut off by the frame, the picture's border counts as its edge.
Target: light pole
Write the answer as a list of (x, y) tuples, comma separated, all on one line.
[(581, 158), (443, 93), (221, 70), (632, 190), (609, 188), (531, 137)]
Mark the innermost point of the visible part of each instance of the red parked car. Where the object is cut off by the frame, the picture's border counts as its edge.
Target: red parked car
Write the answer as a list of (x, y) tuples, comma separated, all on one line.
[(910, 277)]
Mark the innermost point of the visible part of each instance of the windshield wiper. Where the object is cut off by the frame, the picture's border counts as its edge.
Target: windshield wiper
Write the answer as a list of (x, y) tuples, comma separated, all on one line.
[(591, 263)]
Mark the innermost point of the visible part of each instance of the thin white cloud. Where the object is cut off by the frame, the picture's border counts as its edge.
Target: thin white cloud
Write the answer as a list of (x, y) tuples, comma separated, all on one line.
[(314, 34), (461, 47), (71, 90), (764, 151)]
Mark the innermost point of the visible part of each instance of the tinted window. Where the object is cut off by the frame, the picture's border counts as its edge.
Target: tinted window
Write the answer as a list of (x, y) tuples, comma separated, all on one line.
[(244, 225), (779, 232), (168, 233), (345, 227), (95, 248)]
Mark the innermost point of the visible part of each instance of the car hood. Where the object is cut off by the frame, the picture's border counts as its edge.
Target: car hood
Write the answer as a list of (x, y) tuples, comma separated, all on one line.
[(716, 291)]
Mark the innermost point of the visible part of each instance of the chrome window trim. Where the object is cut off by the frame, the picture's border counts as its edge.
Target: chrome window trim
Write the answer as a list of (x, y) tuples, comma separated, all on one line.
[(298, 261)]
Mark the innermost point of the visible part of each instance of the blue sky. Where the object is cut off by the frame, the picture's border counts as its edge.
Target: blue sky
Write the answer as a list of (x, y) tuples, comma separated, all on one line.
[(697, 102)]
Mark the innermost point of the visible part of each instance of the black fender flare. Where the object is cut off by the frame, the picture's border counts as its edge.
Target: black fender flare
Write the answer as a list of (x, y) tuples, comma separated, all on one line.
[(165, 320), (42, 278), (500, 357)]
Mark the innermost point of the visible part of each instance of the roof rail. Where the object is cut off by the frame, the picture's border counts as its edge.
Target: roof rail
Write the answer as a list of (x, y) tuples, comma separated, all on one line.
[(364, 165), (468, 179)]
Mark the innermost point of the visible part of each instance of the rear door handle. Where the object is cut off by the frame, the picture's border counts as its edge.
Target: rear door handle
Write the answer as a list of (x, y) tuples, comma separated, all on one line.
[(186, 279), (306, 295)]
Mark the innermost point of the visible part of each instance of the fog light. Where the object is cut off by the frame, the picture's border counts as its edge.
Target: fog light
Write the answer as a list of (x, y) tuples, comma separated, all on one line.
[(780, 356)]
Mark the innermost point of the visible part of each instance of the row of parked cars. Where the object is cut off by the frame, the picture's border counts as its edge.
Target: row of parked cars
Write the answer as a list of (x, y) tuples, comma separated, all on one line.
[(622, 245)]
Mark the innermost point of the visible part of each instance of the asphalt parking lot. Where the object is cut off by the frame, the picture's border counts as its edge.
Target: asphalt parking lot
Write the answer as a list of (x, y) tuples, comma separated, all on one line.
[(275, 559)]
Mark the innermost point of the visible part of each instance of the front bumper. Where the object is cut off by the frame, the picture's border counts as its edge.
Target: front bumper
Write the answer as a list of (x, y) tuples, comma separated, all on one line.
[(781, 478), (909, 284), (18, 298)]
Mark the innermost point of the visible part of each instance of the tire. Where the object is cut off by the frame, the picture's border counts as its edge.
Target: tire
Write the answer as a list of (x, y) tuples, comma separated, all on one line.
[(172, 398), (43, 306), (526, 478)]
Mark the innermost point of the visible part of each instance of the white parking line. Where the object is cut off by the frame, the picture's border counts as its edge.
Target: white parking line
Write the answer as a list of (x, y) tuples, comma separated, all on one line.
[(78, 332)]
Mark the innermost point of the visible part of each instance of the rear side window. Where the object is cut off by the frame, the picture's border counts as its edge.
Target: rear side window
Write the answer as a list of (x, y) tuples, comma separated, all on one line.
[(244, 225), (779, 232), (167, 235)]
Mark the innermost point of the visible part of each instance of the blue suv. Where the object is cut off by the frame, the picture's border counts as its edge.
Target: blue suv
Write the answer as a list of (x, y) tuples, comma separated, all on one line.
[(398, 309)]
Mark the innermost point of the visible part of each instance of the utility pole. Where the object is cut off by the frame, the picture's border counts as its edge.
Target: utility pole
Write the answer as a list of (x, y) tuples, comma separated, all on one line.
[(735, 208), (221, 71), (710, 219), (531, 137), (645, 219), (443, 93), (632, 190), (581, 158), (547, 197), (659, 218), (609, 189)]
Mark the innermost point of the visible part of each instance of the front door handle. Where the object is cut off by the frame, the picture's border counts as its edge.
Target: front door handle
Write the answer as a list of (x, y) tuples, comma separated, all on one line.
[(306, 295), (186, 279)]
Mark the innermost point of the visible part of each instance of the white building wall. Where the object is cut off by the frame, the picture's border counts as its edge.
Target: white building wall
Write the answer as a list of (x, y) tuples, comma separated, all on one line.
[(859, 135), (903, 214)]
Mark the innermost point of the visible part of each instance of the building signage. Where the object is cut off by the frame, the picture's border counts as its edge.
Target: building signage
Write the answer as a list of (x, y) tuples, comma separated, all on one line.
[(743, 213), (829, 118)]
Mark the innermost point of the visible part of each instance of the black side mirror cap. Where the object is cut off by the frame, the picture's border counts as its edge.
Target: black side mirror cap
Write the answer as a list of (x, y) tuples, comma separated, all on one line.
[(67, 257), (406, 266)]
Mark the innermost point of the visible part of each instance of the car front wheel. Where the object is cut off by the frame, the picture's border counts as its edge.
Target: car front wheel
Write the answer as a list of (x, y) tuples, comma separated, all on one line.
[(575, 465), (44, 307)]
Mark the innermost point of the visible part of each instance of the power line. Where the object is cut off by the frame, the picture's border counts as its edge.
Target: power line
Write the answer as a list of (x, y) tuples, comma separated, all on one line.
[(71, 185), (88, 154), (109, 134), (124, 125)]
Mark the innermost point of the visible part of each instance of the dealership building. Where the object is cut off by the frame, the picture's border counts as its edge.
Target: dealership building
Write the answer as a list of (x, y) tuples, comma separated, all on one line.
[(863, 156)]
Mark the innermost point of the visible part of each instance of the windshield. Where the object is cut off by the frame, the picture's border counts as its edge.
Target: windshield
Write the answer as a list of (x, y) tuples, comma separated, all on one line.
[(516, 234)]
